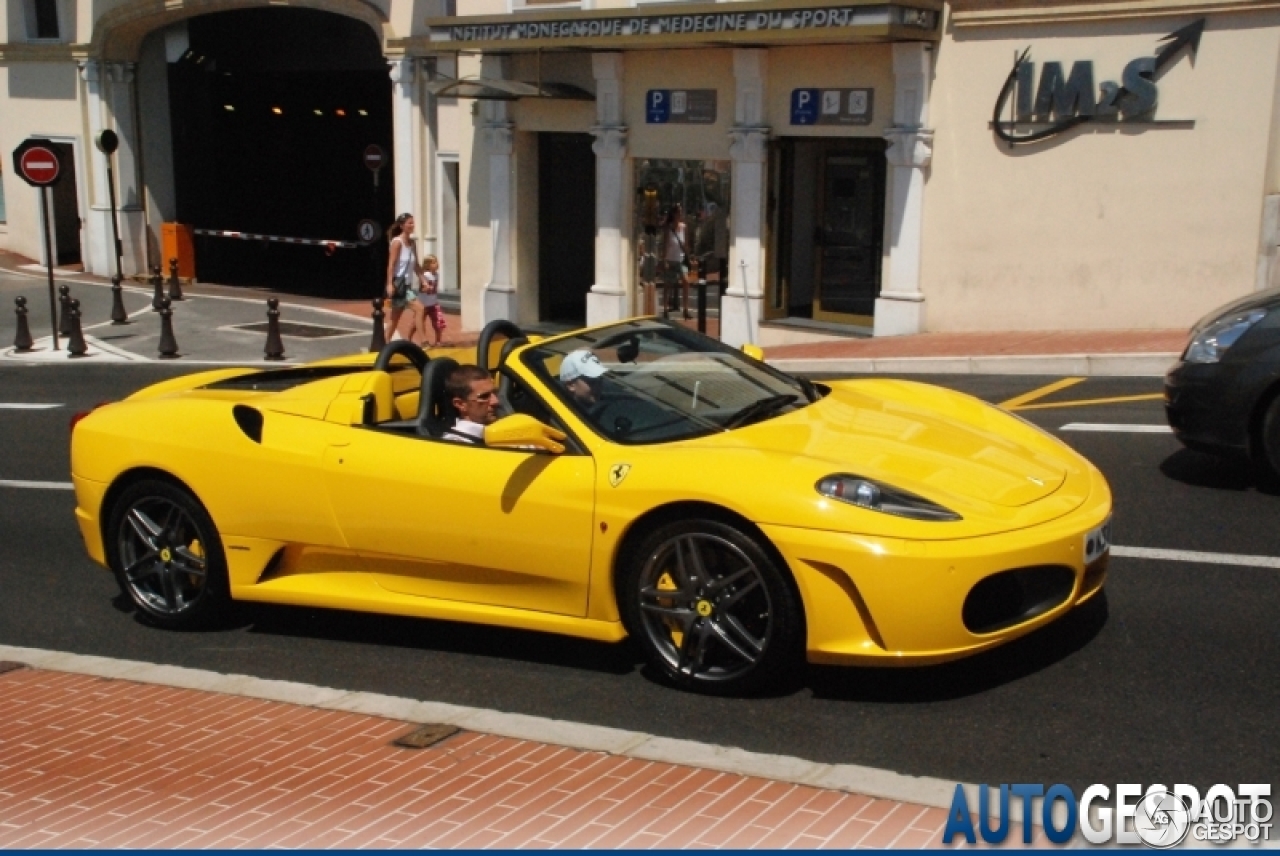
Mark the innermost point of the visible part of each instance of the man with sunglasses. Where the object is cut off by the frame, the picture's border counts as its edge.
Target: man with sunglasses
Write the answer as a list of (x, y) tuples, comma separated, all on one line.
[(474, 397)]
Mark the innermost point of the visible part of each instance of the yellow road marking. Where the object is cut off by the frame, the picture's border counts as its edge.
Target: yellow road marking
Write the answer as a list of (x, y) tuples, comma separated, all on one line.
[(1091, 401), (1087, 402), (1019, 400)]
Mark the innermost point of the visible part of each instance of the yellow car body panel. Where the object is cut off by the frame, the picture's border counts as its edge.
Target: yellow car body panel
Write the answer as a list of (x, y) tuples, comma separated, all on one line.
[(327, 512)]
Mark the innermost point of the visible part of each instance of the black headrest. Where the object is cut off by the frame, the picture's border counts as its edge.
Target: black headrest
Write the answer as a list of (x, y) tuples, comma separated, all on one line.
[(504, 380), (435, 411)]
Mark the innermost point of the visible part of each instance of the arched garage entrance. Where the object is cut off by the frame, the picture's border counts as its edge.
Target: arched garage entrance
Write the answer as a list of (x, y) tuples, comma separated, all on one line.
[(271, 110)]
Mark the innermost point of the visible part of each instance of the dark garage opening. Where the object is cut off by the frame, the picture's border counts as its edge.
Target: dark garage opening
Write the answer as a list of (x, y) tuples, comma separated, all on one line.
[(566, 225), (272, 110)]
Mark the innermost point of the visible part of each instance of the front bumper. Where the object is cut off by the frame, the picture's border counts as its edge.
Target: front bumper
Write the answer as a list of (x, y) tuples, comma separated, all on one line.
[(1205, 408), (886, 601)]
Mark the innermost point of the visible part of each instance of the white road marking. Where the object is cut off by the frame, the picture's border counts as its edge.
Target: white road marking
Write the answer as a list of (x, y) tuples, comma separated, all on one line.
[(1116, 428), (1197, 556), (36, 485), (21, 406)]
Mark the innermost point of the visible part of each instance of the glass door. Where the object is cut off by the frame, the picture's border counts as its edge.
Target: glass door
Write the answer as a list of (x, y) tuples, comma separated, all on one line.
[(849, 236)]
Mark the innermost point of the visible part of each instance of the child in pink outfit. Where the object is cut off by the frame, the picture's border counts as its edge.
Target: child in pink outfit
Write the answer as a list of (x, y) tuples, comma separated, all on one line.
[(429, 297)]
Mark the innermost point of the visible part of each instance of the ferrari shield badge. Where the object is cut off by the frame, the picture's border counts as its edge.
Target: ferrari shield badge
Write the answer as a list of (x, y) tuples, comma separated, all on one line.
[(617, 473)]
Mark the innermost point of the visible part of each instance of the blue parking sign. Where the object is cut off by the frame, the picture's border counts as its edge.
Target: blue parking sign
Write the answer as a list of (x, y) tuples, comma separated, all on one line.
[(804, 106), (657, 107)]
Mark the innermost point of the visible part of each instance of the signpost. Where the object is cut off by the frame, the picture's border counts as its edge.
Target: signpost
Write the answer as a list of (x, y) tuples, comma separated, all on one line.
[(680, 107), (38, 164), (367, 231), (831, 106), (107, 143), (375, 158)]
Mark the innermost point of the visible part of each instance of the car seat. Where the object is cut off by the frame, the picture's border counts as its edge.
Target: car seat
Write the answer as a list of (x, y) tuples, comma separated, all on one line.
[(435, 416)]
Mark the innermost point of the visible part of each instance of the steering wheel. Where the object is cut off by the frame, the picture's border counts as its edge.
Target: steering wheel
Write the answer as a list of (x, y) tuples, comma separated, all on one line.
[(493, 328), (404, 347)]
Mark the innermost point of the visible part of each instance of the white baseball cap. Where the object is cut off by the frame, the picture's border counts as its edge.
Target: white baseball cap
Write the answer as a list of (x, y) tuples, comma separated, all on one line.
[(580, 363)]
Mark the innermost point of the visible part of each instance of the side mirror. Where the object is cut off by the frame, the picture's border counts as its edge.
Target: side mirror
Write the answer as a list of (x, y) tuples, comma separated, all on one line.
[(523, 431), (755, 352)]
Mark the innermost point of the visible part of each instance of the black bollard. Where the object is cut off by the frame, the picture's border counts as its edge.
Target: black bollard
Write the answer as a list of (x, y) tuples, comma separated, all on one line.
[(175, 287), (379, 333), (168, 344), (22, 339), (157, 285), (275, 347), (75, 339), (118, 314), (64, 310)]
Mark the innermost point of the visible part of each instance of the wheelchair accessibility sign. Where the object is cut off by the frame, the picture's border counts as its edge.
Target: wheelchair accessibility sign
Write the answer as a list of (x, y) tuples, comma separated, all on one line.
[(680, 107)]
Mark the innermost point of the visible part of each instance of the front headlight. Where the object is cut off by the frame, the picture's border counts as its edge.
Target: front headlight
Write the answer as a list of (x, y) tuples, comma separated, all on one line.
[(1208, 345), (875, 496)]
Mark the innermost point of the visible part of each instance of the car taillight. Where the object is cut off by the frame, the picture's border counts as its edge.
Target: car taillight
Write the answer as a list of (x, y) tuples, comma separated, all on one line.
[(75, 418)]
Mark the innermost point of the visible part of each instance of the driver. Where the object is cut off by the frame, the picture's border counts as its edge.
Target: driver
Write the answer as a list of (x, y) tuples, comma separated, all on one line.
[(474, 399), (580, 372)]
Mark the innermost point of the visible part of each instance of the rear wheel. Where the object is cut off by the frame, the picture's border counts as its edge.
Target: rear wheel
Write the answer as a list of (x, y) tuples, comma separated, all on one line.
[(711, 608), (167, 556)]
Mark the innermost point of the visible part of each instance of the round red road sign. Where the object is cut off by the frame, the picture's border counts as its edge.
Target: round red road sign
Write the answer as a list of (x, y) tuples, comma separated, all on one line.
[(375, 157), (39, 166)]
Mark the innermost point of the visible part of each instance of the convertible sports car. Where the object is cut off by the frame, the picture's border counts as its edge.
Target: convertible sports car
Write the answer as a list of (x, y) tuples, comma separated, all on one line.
[(733, 519)]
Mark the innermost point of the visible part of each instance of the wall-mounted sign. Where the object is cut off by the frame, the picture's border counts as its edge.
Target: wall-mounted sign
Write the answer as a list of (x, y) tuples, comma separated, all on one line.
[(1063, 101), (632, 26), (680, 107), (831, 106)]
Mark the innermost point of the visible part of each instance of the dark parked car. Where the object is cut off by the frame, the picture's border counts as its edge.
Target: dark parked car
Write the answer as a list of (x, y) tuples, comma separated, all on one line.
[(1223, 396)]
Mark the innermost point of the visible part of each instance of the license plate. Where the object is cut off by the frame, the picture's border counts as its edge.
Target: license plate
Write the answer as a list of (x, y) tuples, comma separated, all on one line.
[(1097, 542)]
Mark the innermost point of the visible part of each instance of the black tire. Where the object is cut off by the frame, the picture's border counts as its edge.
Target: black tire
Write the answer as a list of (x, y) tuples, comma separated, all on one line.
[(1270, 451), (167, 556), (711, 608)]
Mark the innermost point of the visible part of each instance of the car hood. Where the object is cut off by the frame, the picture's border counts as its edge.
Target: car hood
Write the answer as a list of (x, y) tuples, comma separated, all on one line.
[(942, 446), (1268, 299), (938, 453)]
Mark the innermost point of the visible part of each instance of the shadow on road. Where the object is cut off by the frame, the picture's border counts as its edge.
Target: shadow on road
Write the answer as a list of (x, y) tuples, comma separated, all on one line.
[(970, 676), (1200, 470)]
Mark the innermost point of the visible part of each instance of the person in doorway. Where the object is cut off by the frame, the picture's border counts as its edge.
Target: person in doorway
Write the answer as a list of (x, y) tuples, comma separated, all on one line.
[(403, 274), (430, 299), (675, 257), (474, 399)]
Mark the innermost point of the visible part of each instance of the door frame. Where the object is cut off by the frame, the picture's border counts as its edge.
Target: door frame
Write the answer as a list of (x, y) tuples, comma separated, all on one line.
[(877, 228), (82, 201)]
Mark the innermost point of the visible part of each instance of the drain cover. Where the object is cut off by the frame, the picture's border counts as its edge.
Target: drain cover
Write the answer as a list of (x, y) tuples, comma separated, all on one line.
[(299, 329), (426, 735), (7, 666)]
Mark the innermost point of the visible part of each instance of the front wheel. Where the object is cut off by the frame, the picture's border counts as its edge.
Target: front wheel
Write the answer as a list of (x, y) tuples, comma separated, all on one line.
[(1271, 437), (167, 556), (711, 608)]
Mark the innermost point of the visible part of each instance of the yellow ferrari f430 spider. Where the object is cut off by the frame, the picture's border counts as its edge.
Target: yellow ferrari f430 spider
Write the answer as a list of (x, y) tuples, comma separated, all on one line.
[(643, 480)]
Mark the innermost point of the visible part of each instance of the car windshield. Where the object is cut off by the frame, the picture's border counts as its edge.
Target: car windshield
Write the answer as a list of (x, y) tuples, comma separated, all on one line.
[(651, 381)]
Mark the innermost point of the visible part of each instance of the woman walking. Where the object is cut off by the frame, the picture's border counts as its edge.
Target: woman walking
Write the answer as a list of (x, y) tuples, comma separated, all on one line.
[(404, 274)]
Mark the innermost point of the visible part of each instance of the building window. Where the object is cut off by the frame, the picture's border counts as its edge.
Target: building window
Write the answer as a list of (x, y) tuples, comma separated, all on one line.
[(45, 14), (701, 189)]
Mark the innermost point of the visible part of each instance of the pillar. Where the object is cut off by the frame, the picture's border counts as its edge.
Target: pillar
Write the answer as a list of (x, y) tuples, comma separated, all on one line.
[(132, 216), (498, 134), (900, 306), (748, 148), (404, 89), (99, 256), (607, 300)]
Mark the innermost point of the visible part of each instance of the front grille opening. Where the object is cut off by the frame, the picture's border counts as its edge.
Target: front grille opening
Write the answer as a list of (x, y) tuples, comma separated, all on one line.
[(1012, 597), (1094, 575)]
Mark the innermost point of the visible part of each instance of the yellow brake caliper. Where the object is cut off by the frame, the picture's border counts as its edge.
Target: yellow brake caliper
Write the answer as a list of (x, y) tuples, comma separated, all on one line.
[(665, 583)]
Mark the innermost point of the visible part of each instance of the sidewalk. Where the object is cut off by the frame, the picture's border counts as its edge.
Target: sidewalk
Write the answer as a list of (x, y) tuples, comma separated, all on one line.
[(225, 324), (89, 761)]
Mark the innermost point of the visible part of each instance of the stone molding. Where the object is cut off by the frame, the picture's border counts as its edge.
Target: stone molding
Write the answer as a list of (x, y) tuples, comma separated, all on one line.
[(499, 139), (909, 147), (749, 144), (611, 141)]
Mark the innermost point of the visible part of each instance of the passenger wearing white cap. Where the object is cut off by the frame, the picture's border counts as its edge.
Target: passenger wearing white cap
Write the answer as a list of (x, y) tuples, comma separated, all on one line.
[(580, 372)]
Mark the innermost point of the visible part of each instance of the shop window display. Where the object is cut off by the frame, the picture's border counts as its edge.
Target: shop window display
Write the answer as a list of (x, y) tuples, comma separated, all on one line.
[(666, 256)]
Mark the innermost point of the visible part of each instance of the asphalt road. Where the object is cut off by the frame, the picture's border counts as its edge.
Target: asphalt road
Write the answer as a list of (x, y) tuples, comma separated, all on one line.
[(1170, 678)]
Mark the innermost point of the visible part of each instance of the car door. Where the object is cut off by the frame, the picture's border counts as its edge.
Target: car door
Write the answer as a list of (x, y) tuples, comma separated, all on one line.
[(449, 520)]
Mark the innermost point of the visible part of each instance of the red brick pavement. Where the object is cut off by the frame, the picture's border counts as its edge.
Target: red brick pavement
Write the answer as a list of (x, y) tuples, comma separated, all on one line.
[(88, 762)]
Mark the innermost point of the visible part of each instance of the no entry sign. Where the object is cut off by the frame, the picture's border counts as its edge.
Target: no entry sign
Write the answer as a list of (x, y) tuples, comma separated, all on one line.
[(375, 157), (37, 162)]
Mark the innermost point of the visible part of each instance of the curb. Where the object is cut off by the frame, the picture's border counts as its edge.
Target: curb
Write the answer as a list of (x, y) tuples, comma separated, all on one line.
[(868, 781), (1079, 365)]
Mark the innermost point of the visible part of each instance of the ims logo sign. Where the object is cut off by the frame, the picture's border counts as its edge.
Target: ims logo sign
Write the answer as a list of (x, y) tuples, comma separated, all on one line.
[(1059, 100)]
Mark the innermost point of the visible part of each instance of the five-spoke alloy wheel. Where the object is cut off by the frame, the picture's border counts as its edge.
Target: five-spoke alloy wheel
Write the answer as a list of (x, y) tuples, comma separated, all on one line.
[(711, 608), (166, 555)]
